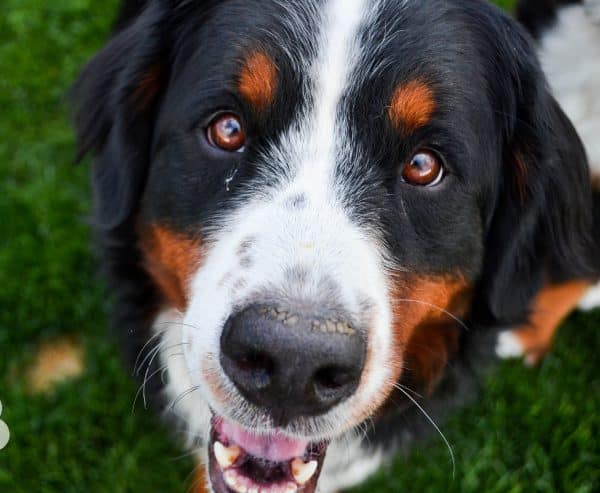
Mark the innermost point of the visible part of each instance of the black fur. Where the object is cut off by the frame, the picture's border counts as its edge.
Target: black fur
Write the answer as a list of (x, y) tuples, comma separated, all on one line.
[(539, 15), (596, 228)]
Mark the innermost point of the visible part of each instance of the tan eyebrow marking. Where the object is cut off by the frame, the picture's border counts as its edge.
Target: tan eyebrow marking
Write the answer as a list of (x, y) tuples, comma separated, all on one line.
[(258, 80), (412, 106)]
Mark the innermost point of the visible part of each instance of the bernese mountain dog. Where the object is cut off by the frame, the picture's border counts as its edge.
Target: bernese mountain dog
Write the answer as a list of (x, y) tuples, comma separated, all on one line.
[(314, 212)]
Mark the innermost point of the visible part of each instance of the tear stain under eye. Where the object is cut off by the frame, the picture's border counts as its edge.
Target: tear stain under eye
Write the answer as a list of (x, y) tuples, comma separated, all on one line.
[(230, 178)]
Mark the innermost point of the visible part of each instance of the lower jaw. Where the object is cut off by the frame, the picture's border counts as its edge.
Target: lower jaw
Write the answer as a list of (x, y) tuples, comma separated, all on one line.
[(250, 474)]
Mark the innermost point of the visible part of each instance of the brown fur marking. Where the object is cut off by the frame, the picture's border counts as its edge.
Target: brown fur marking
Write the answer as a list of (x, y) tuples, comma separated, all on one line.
[(171, 258), (258, 80), (429, 351), (425, 335), (550, 307), (412, 106)]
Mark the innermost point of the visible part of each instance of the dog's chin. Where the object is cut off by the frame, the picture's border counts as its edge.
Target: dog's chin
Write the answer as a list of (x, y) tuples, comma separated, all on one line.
[(241, 461)]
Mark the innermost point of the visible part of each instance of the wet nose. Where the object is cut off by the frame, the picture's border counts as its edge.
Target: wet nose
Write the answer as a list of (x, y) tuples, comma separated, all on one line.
[(291, 365)]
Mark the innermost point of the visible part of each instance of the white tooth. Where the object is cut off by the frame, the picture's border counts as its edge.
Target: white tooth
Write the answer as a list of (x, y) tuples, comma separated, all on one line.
[(226, 456), (290, 488), (230, 478), (302, 472)]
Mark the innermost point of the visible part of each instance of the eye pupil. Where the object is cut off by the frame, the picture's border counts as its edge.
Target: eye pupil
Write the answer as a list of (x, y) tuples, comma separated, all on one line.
[(424, 169), (227, 133)]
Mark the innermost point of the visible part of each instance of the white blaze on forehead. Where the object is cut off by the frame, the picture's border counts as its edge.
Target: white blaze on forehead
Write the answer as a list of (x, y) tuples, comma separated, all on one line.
[(321, 131), (342, 22)]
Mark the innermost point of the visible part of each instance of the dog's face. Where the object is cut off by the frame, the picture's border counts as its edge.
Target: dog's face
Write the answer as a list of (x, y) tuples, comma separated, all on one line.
[(316, 190)]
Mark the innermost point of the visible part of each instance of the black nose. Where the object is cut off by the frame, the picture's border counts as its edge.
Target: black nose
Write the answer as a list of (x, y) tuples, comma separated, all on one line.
[(289, 364)]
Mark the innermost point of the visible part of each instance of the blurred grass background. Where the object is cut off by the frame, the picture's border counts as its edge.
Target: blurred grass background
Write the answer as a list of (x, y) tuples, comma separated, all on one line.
[(532, 430)]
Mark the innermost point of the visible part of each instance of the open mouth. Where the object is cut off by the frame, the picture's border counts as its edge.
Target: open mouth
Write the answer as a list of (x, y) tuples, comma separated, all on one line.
[(245, 462)]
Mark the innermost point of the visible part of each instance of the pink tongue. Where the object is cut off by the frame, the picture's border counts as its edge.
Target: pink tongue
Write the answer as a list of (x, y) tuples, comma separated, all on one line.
[(274, 447)]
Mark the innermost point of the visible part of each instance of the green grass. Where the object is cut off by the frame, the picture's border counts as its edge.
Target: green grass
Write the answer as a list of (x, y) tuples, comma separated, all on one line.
[(532, 430)]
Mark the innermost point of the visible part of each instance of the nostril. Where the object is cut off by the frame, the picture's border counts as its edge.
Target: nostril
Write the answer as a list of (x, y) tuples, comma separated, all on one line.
[(331, 382), (255, 362), (256, 367), (331, 378)]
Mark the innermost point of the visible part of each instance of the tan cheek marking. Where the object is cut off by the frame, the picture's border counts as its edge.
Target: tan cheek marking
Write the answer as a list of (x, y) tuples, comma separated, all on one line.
[(55, 362), (413, 300), (412, 106), (258, 80), (428, 353), (433, 341), (423, 300), (171, 259)]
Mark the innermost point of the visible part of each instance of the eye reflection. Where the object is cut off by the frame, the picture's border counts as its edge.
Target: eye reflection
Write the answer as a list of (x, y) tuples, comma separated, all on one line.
[(425, 169), (226, 132)]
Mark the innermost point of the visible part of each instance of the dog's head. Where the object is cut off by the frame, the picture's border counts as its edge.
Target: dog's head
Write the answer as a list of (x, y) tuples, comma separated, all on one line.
[(317, 188)]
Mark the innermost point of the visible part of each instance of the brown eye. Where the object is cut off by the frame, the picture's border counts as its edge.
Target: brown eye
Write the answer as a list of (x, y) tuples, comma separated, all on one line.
[(227, 133), (424, 170)]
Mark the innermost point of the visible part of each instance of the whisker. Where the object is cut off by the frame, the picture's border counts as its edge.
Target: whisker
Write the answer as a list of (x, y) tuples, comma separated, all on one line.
[(141, 387), (364, 430), (431, 305), (183, 395), (152, 355), (161, 369), (408, 389), (185, 455), (152, 338), (198, 474), (433, 423), (148, 356), (182, 324), (146, 376), (160, 347)]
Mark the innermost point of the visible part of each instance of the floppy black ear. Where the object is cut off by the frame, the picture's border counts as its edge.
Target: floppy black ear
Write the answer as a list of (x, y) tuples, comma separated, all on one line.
[(541, 227), (116, 97), (130, 10)]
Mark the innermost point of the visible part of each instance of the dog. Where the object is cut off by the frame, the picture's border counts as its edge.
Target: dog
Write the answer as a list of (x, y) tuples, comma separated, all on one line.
[(310, 210)]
